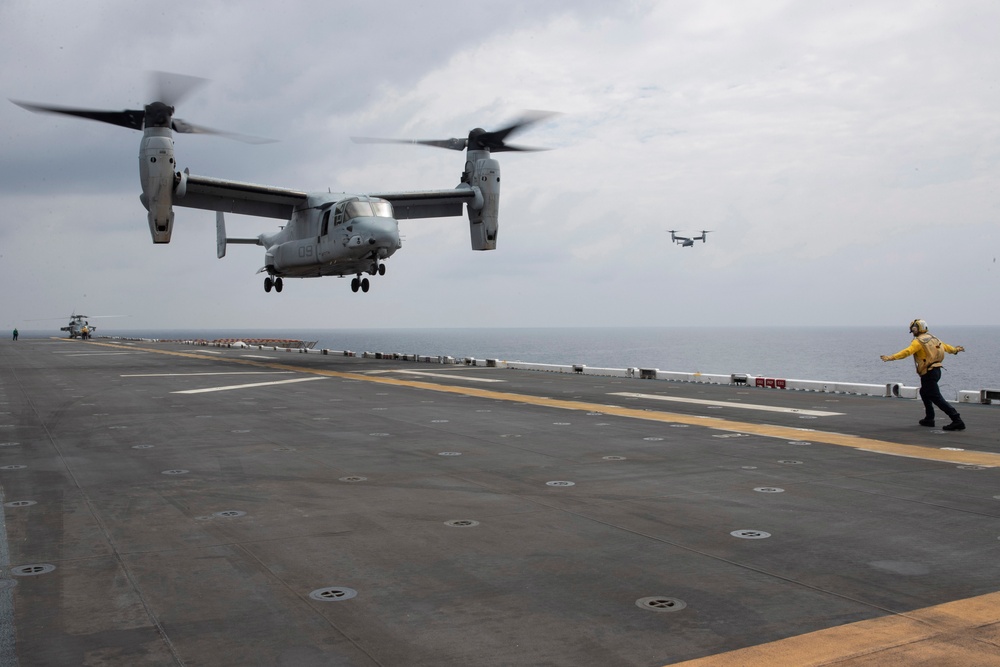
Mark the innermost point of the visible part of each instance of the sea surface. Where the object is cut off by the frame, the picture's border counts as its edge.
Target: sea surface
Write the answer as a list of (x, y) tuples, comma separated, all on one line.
[(831, 354)]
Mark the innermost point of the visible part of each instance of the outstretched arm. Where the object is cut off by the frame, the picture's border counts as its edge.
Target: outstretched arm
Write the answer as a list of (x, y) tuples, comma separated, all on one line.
[(904, 353)]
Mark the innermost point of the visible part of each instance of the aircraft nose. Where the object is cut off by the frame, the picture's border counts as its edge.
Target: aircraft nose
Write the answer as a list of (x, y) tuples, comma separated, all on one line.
[(383, 232)]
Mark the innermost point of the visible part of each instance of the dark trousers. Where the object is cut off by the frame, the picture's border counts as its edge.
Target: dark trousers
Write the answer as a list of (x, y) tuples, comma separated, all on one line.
[(930, 394)]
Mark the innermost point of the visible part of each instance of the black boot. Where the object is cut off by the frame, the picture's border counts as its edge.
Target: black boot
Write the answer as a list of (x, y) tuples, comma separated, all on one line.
[(956, 424), (929, 421)]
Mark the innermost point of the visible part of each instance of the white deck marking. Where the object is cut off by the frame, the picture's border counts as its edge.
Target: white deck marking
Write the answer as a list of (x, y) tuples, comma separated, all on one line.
[(97, 354), (728, 404), (247, 386), (175, 375), (256, 356), (450, 376)]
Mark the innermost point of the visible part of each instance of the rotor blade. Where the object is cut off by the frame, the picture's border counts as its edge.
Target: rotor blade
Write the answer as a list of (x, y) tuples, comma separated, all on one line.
[(450, 144), (183, 127), (171, 88), (511, 147), (477, 139), (495, 140), (130, 118)]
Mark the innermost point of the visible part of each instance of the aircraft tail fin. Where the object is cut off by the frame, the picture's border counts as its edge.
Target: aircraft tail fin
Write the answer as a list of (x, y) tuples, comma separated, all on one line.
[(220, 236)]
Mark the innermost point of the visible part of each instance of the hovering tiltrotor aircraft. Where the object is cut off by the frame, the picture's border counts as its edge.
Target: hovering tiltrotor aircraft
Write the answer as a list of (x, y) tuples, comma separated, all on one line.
[(326, 234), (686, 242)]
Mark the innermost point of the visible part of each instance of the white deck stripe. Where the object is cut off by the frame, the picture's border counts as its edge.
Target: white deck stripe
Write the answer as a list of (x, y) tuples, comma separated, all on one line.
[(97, 354), (247, 386), (450, 376), (728, 404)]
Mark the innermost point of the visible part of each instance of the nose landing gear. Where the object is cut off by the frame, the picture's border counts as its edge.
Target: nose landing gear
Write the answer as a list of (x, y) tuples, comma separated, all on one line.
[(277, 283), (359, 283)]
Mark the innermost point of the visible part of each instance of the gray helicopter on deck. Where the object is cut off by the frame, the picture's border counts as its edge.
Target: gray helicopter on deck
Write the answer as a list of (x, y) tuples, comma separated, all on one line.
[(325, 234), (79, 326)]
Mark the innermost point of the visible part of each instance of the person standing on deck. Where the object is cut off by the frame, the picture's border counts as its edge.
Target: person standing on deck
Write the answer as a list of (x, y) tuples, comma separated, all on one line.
[(928, 352)]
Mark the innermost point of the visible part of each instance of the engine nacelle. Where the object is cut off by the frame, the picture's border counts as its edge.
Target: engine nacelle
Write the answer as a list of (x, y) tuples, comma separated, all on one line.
[(156, 174), (483, 175)]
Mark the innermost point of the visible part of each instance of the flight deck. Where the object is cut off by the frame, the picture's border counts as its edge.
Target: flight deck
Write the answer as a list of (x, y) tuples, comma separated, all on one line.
[(165, 504)]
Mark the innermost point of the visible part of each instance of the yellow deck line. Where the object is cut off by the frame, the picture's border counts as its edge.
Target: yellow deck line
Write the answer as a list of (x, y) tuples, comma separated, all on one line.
[(964, 632), (989, 459)]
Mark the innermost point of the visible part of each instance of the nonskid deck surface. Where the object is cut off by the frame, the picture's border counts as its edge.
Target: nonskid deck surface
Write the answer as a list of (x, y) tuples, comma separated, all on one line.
[(165, 504)]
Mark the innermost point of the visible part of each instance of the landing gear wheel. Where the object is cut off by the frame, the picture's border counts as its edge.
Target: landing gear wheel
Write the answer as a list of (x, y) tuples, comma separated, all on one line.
[(364, 285), (381, 269), (268, 284), (355, 284), (278, 284)]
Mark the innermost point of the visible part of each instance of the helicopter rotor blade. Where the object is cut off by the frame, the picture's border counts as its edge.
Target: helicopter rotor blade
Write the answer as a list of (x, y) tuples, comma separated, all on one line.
[(171, 88), (130, 118), (451, 144), (496, 141), (183, 127), (478, 139), (168, 90)]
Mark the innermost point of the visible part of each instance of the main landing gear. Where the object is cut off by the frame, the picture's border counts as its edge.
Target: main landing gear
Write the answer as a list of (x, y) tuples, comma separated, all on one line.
[(277, 283)]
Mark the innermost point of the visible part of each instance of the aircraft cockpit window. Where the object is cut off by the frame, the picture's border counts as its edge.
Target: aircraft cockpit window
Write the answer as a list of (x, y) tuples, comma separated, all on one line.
[(364, 208), (383, 209), (359, 209)]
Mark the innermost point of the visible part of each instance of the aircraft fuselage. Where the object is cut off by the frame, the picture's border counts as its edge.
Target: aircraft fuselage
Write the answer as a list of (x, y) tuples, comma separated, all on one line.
[(333, 235)]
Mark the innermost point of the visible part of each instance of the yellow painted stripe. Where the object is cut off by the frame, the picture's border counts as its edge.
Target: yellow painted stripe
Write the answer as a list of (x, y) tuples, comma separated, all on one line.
[(963, 632), (770, 430)]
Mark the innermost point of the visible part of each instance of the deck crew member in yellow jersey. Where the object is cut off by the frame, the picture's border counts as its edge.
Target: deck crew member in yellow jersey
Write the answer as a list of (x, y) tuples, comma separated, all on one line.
[(928, 353)]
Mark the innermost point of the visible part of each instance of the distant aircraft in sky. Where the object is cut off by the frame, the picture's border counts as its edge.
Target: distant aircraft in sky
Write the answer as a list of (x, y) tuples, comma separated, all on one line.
[(686, 242)]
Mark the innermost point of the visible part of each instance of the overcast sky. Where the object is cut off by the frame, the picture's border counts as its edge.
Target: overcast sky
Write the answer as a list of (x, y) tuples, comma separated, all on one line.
[(845, 156)]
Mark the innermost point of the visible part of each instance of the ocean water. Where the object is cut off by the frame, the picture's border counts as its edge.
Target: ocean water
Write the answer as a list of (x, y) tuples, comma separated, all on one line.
[(832, 354)]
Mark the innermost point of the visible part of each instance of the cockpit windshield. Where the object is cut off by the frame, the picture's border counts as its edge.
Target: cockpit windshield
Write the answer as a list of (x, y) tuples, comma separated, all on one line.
[(382, 208), (369, 208)]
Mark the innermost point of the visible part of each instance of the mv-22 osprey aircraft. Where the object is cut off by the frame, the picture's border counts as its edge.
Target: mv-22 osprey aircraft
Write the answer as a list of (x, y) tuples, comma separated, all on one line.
[(686, 242), (326, 234)]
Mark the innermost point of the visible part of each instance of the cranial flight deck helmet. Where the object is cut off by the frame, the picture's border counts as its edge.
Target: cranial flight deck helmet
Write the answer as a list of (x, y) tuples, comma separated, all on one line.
[(918, 327)]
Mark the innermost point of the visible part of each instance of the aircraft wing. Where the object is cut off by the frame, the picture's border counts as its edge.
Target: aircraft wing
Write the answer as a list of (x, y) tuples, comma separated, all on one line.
[(216, 194), (427, 203)]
